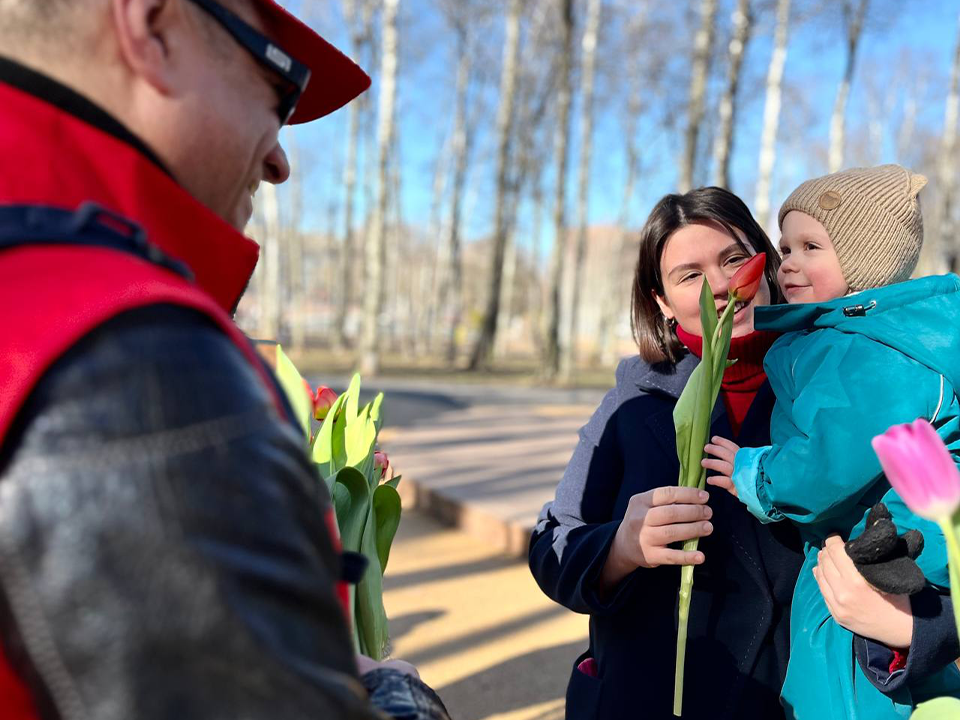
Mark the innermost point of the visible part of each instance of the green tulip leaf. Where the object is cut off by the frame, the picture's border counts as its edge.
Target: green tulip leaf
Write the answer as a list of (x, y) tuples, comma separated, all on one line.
[(386, 513), (708, 315), (353, 397), (323, 453), (294, 388), (942, 708), (394, 481), (370, 613), (355, 506), (375, 412)]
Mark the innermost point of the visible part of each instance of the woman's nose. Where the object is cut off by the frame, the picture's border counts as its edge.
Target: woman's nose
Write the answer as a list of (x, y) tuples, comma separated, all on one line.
[(718, 282)]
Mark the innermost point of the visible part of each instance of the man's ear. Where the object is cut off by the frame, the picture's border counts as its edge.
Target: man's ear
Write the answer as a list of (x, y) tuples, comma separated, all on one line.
[(149, 33), (664, 308)]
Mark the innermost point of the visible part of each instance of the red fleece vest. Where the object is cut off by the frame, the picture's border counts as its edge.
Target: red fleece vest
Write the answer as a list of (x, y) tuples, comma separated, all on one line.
[(52, 296)]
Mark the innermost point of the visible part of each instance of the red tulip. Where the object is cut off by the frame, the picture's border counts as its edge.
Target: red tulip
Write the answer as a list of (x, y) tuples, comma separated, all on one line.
[(323, 401), (746, 281), (380, 460), (920, 468)]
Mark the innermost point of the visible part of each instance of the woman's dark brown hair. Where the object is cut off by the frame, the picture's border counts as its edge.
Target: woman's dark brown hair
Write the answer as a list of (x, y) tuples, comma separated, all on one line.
[(655, 336)]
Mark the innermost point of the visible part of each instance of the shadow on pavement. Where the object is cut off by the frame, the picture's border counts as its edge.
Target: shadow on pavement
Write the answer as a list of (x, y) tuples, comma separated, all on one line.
[(446, 572), (479, 637), (516, 683), (402, 624)]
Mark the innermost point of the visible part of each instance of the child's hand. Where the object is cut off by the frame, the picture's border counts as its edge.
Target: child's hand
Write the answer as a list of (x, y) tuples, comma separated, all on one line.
[(724, 451)]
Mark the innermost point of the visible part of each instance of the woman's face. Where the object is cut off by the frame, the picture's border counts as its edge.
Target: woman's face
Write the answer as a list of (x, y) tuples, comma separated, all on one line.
[(701, 251)]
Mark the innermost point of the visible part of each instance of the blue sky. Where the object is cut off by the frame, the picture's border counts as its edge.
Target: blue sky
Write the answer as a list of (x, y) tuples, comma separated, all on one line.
[(906, 54)]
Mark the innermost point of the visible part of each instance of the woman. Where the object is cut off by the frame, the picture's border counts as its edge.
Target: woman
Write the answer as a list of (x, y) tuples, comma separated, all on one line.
[(606, 545)]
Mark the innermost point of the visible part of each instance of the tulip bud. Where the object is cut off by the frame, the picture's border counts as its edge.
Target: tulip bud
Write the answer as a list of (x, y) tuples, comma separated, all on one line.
[(323, 401), (920, 468), (746, 281), (381, 461)]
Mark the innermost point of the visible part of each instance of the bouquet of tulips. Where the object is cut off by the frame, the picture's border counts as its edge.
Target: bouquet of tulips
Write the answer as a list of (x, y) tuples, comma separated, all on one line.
[(366, 502), (691, 418)]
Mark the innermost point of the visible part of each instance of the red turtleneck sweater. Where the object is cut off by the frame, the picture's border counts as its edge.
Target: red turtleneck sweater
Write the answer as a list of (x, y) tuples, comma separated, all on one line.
[(742, 380)]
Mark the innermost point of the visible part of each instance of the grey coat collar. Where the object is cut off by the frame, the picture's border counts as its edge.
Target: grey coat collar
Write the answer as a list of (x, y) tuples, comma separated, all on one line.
[(663, 377)]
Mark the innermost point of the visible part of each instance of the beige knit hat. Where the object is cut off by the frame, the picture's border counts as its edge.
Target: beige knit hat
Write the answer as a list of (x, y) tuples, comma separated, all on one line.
[(872, 216)]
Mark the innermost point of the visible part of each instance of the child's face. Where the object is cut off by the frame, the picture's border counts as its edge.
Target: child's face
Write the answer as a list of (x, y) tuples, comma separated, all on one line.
[(810, 271)]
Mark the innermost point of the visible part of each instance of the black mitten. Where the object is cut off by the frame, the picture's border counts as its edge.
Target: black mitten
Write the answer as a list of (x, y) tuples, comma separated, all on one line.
[(885, 560)]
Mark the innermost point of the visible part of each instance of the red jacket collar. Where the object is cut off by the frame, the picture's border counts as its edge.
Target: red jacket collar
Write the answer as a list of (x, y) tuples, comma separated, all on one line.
[(50, 156)]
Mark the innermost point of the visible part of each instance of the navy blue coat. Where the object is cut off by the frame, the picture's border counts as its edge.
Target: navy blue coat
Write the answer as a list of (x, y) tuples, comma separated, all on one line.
[(738, 637)]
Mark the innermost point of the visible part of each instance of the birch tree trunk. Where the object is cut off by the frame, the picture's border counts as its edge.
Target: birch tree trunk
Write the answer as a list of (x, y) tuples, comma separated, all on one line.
[(270, 295), (723, 143), (616, 293), (853, 21), (452, 293), (941, 254), (551, 364), (349, 184), (376, 243), (771, 114), (483, 349), (589, 48), (698, 88)]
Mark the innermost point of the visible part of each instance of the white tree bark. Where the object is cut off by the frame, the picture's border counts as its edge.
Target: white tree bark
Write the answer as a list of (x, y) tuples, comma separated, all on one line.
[(452, 294), (941, 254), (589, 60), (551, 364), (270, 304), (723, 142), (376, 244), (771, 114), (483, 349), (702, 43), (853, 21)]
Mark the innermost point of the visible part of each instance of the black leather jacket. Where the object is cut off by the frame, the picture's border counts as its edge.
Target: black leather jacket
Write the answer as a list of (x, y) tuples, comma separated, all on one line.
[(162, 546)]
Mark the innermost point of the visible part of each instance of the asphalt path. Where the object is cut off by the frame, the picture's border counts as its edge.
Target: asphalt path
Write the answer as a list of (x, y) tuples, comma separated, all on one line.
[(411, 403)]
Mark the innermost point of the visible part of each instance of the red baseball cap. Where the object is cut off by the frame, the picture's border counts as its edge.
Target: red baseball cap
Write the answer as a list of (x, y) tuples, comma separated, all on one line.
[(335, 79)]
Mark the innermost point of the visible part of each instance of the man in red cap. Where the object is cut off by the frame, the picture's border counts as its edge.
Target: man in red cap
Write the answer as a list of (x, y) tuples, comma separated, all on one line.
[(163, 548)]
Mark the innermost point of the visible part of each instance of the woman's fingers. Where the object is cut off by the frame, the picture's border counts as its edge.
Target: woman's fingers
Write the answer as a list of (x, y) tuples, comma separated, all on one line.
[(679, 532), (672, 514), (672, 494), (668, 556), (825, 590)]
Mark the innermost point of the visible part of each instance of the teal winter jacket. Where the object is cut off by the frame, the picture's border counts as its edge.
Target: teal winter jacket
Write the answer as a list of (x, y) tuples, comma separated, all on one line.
[(843, 372)]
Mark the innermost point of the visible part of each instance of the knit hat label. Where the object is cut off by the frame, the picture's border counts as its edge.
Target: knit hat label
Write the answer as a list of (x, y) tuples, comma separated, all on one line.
[(830, 200)]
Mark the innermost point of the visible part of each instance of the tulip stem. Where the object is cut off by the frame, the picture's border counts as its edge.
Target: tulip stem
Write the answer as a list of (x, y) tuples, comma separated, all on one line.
[(953, 558)]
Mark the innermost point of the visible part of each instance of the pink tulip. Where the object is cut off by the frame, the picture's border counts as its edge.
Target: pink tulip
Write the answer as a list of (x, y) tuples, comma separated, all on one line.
[(746, 281), (380, 460), (323, 401), (920, 468)]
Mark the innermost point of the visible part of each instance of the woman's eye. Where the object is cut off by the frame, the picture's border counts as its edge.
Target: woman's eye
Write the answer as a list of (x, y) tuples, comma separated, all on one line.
[(691, 276), (737, 259)]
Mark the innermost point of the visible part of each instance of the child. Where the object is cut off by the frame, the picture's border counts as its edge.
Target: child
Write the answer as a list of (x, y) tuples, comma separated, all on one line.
[(863, 348)]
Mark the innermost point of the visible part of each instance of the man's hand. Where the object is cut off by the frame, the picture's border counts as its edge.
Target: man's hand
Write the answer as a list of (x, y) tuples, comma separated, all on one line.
[(858, 606), (365, 665), (724, 451), (654, 520)]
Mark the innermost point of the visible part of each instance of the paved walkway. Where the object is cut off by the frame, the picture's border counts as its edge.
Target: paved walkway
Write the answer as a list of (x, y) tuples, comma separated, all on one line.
[(487, 468), (476, 625)]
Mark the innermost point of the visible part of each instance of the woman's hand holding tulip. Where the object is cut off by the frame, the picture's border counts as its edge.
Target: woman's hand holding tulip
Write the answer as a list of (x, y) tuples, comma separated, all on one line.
[(653, 521), (858, 606)]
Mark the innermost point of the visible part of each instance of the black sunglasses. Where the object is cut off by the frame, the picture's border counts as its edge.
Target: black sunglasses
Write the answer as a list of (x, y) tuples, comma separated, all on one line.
[(265, 52)]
